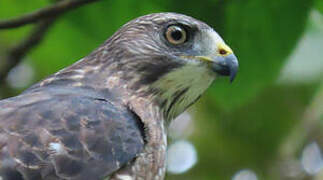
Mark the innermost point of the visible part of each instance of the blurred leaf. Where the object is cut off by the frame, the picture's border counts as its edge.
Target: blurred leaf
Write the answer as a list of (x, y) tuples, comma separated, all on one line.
[(82, 30), (16, 8), (319, 5), (64, 45), (262, 34), (249, 136)]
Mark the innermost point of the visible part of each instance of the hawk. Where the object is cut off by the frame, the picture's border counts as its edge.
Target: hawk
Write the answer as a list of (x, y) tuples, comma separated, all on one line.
[(106, 116)]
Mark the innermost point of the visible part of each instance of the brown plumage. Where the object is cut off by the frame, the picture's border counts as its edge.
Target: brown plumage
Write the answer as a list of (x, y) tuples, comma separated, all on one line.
[(106, 115)]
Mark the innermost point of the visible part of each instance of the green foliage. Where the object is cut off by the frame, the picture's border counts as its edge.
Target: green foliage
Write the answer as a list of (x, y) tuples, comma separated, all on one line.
[(262, 36), (319, 5), (9, 9), (240, 125), (248, 137)]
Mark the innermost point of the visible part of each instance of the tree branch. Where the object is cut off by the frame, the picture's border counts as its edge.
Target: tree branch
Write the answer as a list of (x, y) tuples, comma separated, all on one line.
[(45, 18), (16, 54), (54, 10)]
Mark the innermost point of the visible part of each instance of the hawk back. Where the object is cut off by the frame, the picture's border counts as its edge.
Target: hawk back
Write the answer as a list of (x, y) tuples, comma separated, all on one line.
[(66, 134)]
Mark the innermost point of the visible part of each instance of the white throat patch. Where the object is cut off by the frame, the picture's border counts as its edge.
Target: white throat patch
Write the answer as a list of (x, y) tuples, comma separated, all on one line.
[(181, 87)]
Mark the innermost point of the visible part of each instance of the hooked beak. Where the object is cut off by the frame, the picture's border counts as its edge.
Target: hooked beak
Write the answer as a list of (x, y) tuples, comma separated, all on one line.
[(224, 65)]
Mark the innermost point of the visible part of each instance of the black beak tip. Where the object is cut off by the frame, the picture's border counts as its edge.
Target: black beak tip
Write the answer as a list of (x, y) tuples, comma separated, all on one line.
[(233, 74), (227, 67)]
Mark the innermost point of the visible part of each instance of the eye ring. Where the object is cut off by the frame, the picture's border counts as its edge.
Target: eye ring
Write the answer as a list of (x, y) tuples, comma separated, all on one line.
[(176, 34)]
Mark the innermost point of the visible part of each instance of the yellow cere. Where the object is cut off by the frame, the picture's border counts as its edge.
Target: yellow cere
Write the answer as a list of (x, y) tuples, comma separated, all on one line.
[(223, 50)]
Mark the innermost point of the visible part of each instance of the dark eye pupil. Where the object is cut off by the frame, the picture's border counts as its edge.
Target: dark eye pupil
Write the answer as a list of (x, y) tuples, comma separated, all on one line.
[(223, 52), (176, 35)]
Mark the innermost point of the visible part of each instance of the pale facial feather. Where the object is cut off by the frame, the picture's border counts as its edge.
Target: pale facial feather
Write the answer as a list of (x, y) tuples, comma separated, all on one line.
[(195, 76)]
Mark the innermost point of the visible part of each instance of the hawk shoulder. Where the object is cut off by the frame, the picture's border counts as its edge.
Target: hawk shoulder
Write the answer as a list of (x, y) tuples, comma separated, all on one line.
[(66, 134)]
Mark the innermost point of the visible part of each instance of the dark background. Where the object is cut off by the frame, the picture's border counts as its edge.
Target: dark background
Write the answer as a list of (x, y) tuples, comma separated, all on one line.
[(266, 125)]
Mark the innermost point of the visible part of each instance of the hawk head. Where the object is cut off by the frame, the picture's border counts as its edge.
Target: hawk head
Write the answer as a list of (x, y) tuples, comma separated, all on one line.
[(167, 57)]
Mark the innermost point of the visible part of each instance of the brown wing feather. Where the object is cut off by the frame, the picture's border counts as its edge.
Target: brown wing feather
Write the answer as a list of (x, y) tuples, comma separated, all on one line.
[(65, 136)]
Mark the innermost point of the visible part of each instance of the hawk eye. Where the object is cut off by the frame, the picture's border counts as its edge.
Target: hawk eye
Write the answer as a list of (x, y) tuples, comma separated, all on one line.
[(176, 34), (223, 52)]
